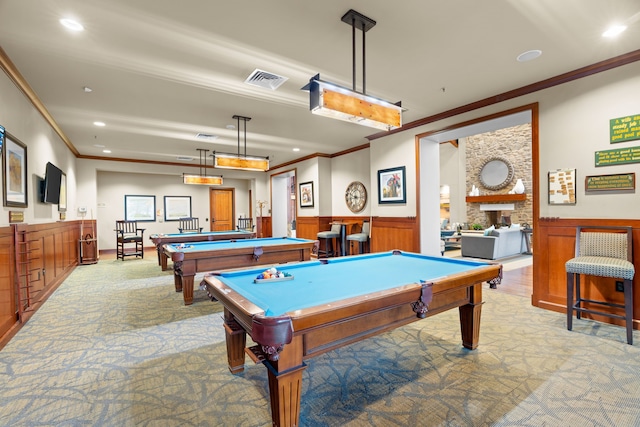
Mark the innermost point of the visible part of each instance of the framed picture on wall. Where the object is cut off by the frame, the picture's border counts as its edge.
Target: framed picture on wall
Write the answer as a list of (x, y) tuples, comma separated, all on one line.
[(562, 187), (62, 205), (140, 208), (14, 173), (391, 185), (306, 194), (176, 207)]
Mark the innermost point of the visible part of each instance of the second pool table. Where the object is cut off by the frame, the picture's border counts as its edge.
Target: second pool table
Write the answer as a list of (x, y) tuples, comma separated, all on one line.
[(327, 304), (190, 258), (209, 236)]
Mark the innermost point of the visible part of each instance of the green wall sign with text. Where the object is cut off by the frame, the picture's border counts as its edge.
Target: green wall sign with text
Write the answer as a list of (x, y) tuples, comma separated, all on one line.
[(618, 156), (624, 129)]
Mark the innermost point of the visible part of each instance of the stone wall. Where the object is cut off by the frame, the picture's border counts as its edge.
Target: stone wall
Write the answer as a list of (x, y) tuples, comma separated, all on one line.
[(513, 144)]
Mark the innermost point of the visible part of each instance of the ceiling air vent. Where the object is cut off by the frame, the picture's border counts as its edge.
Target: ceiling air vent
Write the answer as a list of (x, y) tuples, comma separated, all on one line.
[(265, 79), (206, 136), (184, 159)]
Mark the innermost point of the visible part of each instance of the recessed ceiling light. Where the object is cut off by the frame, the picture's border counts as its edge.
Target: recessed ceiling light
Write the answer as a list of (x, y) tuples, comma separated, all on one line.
[(230, 127), (72, 24), (614, 30), (87, 89), (106, 151), (184, 159), (98, 145), (529, 55), (296, 149), (101, 124)]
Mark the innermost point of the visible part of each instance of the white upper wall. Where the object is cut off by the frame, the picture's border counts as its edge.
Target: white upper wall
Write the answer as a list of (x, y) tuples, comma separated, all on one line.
[(574, 123)]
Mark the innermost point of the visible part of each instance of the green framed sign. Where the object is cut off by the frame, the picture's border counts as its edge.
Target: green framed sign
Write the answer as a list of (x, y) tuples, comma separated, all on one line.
[(619, 183), (624, 129), (618, 156)]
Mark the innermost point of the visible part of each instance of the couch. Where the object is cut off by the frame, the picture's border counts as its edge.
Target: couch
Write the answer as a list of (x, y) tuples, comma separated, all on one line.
[(498, 243)]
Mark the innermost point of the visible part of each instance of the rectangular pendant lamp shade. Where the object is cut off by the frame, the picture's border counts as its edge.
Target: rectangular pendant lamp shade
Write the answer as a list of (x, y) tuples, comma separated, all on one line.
[(202, 180), (239, 161), (330, 100)]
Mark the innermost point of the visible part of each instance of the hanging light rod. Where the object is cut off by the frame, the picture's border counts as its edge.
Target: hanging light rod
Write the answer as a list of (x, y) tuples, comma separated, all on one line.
[(337, 102), (240, 160)]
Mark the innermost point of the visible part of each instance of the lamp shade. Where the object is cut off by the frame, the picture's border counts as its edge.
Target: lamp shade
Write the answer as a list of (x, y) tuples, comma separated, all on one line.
[(242, 162), (202, 180), (329, 100)]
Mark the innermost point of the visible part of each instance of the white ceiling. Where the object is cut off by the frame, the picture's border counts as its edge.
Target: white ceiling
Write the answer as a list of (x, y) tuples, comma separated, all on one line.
[(164, 70)]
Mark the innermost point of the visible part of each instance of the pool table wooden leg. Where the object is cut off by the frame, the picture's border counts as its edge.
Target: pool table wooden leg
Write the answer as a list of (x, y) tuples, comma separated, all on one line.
[(285, 385), (470, 318), (236, 339)]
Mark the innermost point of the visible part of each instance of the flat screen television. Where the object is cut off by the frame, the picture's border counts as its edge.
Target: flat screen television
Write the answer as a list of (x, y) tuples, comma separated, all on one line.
[(51, 184)]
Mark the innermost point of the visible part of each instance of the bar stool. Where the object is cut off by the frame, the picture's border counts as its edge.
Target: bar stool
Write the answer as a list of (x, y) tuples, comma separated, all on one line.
[(329, 237), (605, 254), (362, 238)]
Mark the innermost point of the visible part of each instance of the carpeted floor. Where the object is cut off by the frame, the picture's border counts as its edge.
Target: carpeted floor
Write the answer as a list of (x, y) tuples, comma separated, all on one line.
[(115, 346)]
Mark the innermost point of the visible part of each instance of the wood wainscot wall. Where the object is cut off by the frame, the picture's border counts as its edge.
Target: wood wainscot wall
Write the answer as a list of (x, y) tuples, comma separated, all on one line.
[(34, 260), (387, 233), (553, 245)]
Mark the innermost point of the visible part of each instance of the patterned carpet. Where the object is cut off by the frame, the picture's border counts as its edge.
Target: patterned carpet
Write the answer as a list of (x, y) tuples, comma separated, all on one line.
[(115, 346)]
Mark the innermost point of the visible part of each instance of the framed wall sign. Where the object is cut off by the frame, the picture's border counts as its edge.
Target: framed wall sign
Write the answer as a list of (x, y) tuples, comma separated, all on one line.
[(176, 207), (306, 194), (615, 183), (391, 185), (140, 208), (562, 187), (14, 172)]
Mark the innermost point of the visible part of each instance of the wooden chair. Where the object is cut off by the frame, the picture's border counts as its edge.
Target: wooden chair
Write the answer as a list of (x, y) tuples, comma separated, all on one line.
[(189, 225), (329, 237), (604, 252), (362, 238), (128, 234), (245, 224)]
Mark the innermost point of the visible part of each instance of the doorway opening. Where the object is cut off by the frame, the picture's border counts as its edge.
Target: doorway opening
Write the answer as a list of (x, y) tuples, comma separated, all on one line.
[(283, 204)]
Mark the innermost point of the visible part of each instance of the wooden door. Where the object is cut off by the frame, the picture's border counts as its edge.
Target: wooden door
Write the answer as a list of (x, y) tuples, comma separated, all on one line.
[(221, 209)]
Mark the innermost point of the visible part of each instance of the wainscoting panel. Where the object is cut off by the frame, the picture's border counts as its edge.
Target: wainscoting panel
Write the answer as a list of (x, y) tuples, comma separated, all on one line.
[(395, 233)]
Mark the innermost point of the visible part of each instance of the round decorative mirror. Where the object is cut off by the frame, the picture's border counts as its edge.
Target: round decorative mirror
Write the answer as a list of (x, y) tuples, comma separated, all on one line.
[(496, 173)]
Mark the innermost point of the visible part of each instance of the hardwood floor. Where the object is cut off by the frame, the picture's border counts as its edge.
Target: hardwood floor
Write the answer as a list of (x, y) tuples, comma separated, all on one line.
[(518, 282)]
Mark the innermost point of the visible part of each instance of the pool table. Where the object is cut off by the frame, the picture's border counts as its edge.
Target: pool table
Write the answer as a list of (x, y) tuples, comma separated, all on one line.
[(190, 258), (162, 239), (329, 303)]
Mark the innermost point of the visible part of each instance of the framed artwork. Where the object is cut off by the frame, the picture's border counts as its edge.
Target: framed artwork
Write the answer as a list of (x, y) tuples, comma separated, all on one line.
[(562, 187), (176, 207), (391, 185), (62, 206), (306, 194), (140, 208), (14, 172)]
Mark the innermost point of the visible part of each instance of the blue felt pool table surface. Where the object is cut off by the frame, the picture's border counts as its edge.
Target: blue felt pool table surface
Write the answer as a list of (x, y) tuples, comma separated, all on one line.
[(322, 282)]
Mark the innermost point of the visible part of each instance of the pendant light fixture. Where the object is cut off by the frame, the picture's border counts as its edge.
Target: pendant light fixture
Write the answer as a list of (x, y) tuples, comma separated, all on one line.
[(241, 161), (202, 178), (337, 102)]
